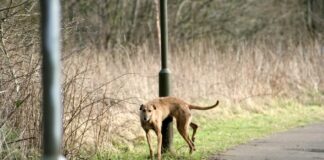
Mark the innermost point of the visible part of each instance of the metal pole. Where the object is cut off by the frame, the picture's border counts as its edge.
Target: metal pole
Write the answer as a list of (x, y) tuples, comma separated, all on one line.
[(164, 78), (52, 108)]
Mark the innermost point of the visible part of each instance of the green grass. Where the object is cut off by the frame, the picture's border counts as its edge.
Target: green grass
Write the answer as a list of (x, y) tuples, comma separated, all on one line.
[(219, 134)]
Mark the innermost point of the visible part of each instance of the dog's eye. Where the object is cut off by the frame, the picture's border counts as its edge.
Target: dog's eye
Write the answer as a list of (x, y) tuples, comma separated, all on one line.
[(149, 110)]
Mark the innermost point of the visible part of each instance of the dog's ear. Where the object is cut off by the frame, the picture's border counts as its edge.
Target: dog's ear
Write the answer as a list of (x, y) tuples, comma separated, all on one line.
[(154, 107), (142, 105)]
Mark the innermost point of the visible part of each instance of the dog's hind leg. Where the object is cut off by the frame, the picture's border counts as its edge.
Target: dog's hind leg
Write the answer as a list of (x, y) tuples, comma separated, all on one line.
[(185, 136), (194, 127), (183, 128)]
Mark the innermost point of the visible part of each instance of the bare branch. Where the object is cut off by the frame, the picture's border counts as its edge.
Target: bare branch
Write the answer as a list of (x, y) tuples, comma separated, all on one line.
[(11, 7)]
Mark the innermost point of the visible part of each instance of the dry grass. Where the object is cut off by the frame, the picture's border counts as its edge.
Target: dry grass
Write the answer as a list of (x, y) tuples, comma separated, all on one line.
[(102, 91), (248, 70)]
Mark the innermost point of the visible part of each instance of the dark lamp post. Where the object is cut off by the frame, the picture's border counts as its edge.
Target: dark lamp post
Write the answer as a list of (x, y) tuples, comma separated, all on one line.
[(164, 77)]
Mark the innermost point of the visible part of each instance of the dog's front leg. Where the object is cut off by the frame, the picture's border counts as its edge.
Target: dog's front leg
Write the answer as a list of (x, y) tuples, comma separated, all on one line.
[(159, 138), (148, 138)]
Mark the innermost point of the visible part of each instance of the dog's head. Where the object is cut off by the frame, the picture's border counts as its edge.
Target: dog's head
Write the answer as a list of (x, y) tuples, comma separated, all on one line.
[(146, 112)]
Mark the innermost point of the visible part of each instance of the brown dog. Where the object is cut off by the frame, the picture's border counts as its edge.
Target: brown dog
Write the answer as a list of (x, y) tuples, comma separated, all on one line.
[(154, 112)]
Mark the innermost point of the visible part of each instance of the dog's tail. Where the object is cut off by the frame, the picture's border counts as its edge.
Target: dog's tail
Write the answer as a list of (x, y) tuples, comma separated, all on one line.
[(203, 108)]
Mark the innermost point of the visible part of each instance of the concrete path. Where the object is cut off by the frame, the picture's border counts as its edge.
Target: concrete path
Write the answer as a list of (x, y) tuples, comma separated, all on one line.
[(305, 143)]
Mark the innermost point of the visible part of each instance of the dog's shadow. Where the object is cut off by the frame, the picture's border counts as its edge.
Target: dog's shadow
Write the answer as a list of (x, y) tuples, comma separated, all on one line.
[(174, 155), (171, 157)]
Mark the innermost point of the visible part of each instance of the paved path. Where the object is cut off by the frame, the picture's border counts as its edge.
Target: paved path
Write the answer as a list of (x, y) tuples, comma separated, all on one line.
[(305, 143)]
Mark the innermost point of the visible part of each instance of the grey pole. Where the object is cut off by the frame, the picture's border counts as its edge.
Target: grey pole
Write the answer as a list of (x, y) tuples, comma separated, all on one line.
[(164, 78), (52, 108)]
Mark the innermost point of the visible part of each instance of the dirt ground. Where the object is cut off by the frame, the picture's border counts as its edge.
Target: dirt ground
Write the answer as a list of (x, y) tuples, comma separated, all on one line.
[(304, 143)]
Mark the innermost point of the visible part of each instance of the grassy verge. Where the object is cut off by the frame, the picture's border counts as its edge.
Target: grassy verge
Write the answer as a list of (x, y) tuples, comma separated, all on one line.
[(218, 134)]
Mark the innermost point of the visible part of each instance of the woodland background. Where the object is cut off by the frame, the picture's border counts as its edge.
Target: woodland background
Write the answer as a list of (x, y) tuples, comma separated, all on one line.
[(243, 52)]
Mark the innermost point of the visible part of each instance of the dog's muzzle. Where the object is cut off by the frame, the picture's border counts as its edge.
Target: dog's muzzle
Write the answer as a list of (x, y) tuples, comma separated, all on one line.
[(146, 119)]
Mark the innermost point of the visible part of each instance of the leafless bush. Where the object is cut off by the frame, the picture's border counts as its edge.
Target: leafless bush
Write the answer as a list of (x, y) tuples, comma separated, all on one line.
[(88, 105)]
